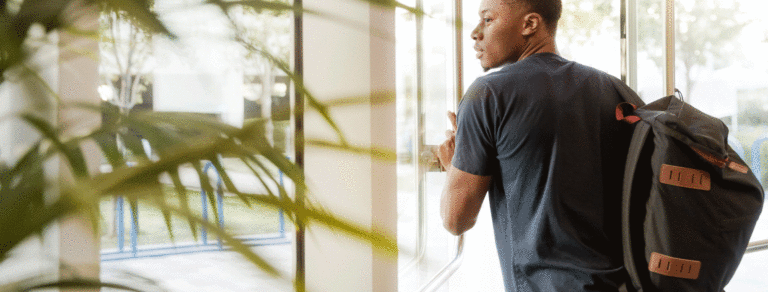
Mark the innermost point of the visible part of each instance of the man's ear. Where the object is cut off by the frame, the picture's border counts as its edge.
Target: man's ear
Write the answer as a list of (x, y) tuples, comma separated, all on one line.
[(532, 22)]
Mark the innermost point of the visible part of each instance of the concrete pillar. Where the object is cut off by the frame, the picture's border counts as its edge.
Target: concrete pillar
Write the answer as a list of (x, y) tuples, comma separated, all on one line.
[(342, 59), (76, 240)]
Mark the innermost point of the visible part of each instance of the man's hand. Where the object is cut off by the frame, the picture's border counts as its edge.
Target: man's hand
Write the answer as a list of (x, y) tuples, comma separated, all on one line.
[(445, 150)]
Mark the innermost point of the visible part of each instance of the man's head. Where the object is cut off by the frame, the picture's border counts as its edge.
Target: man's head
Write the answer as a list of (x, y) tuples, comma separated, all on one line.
[(510, 30)]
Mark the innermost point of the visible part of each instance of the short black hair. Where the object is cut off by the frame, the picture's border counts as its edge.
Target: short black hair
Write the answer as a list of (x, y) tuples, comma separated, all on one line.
[(549, 10)]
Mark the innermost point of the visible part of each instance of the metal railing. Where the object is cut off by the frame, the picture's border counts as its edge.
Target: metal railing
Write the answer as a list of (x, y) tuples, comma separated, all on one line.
[(137, 250), (447, 271), (756, 246)]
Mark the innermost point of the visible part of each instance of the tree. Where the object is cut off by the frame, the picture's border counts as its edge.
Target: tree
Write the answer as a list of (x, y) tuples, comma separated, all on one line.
[(126, 52), (267, 32), (581, 20), (705, 35), (705, 31)]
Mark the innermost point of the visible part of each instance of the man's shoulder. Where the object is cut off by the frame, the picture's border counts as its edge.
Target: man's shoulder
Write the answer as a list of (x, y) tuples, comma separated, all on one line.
[(537, 73)]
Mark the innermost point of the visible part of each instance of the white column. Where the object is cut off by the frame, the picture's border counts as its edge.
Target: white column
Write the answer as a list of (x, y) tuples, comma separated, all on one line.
[(351, 58), (64, 64), (77, 244)]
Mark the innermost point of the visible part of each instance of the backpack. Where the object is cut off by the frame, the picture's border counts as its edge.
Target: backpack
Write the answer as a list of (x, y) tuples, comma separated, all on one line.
[(689, 202)]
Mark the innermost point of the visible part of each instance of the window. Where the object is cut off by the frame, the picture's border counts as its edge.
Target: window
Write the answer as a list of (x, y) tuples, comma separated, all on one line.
[(213, 69)]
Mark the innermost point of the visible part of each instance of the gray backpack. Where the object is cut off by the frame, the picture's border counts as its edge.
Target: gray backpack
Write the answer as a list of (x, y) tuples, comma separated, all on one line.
[(689, 201)]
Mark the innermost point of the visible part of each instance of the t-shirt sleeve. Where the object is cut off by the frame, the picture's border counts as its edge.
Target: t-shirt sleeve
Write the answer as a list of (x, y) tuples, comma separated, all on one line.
[(475, 143)]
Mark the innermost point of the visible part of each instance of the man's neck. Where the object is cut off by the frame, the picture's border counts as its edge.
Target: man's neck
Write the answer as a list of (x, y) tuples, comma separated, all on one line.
[(536, 46)]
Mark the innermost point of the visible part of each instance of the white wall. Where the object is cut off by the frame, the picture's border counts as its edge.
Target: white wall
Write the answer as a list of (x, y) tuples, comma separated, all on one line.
[(66, 66), (345, 60)]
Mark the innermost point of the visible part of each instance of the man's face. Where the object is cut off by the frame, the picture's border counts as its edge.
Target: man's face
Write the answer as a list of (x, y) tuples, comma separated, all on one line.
[(498, 36)]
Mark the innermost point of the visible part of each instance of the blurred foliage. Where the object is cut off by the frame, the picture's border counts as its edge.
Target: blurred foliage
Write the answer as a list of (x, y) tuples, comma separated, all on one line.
[(581, 20), (705, 36), (177, 139), (706, 31)]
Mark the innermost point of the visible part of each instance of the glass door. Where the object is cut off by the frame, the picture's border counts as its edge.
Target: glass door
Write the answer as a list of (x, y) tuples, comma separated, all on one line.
[(426, 90), (720, 68)]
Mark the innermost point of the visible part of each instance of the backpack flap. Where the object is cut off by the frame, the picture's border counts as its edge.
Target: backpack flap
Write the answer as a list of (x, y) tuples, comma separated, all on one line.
[(689, 203)]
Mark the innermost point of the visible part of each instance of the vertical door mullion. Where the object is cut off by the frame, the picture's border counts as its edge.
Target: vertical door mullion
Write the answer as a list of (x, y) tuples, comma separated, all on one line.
[(458, 24), (669, 47), (421, 239), (298, 138), (629, 43)]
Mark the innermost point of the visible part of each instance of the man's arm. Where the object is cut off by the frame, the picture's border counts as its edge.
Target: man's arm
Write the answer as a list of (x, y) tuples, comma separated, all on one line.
[(463, 193), (462, 198)]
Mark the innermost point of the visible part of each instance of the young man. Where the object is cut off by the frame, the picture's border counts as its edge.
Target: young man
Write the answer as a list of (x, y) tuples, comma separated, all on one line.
[(539, 135)]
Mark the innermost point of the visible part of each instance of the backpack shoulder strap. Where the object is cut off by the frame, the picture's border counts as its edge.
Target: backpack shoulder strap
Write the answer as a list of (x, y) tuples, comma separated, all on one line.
[(636, 146)]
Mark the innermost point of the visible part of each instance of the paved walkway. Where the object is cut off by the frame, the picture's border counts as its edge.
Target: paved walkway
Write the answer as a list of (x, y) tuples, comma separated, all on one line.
[(214, 271), (209, 271), (226, 271)]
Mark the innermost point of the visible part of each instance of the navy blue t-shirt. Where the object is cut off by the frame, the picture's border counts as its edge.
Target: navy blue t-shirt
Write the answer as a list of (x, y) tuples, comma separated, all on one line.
[(544, 128)]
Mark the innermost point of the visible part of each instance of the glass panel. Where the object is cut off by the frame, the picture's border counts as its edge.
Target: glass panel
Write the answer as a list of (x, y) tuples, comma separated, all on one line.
[(439, 68), (425, 82), (407, 140), (208, 71), (650, 45), (720, 68), (438, 98), (588, 33), (471, 66)]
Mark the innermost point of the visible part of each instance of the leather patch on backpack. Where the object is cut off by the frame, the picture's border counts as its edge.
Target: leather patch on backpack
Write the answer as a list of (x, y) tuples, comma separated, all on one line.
[(674, 267), (685, 177), (738, 167)]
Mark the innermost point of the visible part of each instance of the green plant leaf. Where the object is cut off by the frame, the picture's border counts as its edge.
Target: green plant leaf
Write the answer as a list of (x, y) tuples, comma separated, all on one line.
[(293, 172), (141, 13), (181, 191), (34, 221), (300, 88), (45, 12), (227, 181), (311, 215), (259, 176), (205, 184), (258, 5), (107, 142), (236, 244), (72, 153), (22, 190), (79, 283), (133, 143), (375, 152)]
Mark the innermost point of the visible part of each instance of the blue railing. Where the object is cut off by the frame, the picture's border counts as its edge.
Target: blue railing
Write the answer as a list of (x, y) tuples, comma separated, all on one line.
[(756, 161), (137, 251)]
